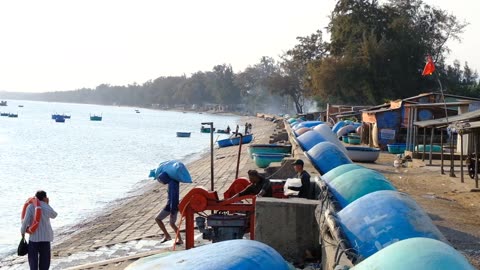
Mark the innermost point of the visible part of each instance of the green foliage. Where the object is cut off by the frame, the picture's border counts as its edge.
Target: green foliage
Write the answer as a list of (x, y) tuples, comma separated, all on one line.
[(378, 51)]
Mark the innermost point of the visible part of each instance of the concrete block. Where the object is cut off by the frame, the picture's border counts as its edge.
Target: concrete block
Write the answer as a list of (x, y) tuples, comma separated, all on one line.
[(287, 225)]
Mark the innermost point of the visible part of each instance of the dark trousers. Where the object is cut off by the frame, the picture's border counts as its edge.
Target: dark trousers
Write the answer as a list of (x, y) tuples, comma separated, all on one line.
[(39, 255)]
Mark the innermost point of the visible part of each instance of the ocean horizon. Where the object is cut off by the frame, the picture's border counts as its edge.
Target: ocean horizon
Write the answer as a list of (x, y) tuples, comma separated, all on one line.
[(83, 165)]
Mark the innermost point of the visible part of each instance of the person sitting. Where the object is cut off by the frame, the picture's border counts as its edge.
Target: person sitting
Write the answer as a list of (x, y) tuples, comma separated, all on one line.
[(304, 189), (260, 186)]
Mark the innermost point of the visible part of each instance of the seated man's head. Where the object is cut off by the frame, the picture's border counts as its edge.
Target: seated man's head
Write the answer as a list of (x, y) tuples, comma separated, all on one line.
[(298, 165), (253, 176)]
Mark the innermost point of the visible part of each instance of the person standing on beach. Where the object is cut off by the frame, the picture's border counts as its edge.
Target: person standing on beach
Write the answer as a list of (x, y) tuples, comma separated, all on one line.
[(39, 253), (304, 189), (171, 209)]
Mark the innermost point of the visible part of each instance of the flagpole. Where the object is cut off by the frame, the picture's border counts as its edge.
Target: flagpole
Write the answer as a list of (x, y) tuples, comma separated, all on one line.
[(452, 172), (443, 97)]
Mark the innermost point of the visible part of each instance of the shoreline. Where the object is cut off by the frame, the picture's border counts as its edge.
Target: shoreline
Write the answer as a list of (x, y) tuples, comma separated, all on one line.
[(98, 230)]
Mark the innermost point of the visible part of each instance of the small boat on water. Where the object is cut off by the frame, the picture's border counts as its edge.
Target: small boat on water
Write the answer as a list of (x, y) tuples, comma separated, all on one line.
[(13, 115), (4, 114), (224, 131), (21, 106), (56, 115), (3, 103), (60, 119), (362, 153), (137, 111), (183, 134), (205, 129), (95, 117)]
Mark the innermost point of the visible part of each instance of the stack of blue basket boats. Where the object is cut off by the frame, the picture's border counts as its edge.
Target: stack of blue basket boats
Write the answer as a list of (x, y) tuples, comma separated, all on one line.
[(379, 227)]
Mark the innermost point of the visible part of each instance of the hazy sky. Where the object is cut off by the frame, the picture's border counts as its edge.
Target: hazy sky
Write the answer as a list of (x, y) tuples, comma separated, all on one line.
[(69, 44)]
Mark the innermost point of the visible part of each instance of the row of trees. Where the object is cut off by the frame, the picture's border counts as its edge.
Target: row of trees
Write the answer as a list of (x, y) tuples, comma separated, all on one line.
[(376, 52)]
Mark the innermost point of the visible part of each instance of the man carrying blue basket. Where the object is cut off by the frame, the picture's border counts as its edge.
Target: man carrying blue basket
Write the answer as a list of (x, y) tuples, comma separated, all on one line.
[(170, 173)]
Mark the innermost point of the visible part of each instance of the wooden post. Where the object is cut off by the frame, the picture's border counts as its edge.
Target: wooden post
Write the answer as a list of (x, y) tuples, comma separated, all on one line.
[(452, 164), (408, 128), (211, 155), (431, 146), (475, 137), (424, 142), (442, 171), (461, 157)]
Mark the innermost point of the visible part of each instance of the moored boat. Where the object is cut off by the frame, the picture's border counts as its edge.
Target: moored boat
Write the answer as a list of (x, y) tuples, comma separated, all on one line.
[(223, 131), (13, 115), (269, 149), (245, 139), (60, 119), (224, 143), (183, 134), (362, 153), (95, 118), (3, 103), (205, 129), (264, 160), (235, 141)]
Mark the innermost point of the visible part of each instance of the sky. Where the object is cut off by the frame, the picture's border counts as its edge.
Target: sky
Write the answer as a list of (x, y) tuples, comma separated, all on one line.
[(56, 45)]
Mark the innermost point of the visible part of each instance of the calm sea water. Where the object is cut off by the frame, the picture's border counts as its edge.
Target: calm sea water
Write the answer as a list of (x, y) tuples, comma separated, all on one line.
[(84, 164)]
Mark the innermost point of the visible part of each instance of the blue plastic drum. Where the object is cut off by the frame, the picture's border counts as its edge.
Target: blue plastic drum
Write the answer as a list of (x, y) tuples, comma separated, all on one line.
[(326, 156), (416, 253), (355, 184), (309, 139), (382, 218)]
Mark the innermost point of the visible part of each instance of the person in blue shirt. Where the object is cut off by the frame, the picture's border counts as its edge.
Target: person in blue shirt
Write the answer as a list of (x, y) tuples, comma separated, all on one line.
[(171, 209)]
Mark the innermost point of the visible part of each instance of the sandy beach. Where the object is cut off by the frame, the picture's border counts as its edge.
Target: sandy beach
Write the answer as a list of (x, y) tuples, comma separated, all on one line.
[(126, 230)]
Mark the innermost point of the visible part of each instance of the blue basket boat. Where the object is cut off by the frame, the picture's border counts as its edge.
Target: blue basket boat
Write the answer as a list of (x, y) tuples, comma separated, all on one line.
[(382, 218), (60, 119), (363, 153), (95, 118), (245, 139), (397, 148), (235, 141), (183, 134), (269, 149), (416, 253), (264, 160)]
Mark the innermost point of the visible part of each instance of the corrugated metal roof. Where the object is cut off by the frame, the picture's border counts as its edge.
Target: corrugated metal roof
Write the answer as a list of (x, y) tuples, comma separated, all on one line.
[(440, 105), (443, 121)]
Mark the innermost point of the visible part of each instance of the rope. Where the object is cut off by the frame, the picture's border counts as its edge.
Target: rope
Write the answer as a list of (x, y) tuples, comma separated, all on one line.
[(281, 167)]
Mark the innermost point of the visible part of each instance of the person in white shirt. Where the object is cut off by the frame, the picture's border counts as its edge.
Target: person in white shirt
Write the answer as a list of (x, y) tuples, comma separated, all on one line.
[(39, 253)]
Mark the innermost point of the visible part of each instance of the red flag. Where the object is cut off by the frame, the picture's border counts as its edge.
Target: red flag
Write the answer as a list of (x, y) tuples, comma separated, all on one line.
[(429, 67)]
